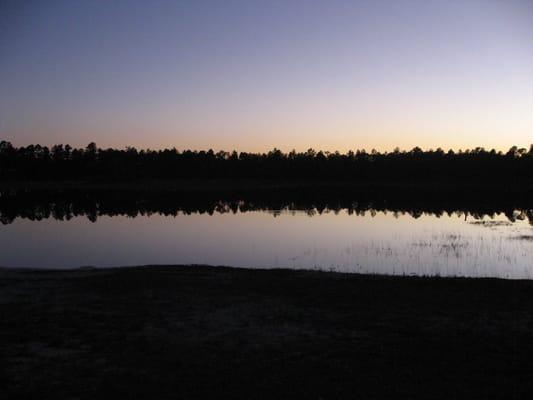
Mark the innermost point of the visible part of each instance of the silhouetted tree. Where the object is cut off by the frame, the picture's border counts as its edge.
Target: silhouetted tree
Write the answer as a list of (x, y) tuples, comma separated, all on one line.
[(35, 162)]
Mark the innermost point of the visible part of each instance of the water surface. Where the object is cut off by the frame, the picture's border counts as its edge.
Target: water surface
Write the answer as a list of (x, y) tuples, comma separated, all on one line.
[(367, 241)]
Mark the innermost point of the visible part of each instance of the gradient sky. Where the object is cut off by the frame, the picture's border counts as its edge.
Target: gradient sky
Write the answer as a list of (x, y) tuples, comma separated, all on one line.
[(253, 75)]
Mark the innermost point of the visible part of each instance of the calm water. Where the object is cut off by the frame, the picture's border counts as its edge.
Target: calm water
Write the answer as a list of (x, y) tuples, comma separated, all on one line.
[(368, 242)]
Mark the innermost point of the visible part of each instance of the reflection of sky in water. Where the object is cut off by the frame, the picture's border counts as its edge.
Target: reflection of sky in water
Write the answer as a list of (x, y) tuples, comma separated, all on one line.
[(382, 244)]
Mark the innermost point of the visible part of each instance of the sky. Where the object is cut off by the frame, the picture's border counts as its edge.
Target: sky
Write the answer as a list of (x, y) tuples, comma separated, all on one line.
[(254, 75)]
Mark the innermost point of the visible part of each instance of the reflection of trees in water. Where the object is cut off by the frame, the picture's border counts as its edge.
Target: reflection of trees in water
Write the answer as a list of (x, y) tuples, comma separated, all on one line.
[(66, 205)]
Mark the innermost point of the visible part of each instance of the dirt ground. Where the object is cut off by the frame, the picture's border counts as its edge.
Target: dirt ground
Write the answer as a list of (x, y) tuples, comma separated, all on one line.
[(213, 332)]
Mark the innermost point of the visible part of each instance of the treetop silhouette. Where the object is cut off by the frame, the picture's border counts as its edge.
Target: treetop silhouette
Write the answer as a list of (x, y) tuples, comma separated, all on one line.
[(63, 162)]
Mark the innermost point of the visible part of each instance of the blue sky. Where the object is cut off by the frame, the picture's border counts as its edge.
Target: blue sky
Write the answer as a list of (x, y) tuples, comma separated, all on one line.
[(253, 75)]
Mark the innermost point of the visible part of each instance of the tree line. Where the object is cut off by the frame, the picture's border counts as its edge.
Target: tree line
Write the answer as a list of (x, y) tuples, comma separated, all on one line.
[(63, 162)]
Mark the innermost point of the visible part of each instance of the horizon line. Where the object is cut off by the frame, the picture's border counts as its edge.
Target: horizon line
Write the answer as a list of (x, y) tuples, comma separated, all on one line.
[(286, 151)]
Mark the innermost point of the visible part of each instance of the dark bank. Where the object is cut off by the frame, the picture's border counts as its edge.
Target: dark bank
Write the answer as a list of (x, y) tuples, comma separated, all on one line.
[(199, 332)]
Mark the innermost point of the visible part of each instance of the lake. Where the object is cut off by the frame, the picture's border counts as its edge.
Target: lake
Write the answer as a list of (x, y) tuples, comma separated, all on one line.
[(348, 239)]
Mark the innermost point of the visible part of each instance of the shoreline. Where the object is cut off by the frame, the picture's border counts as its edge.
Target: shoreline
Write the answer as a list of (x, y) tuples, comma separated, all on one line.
[(360, 275), (202, 184)]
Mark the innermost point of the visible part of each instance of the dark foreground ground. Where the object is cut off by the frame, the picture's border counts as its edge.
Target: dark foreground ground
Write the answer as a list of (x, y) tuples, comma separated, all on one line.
[(200, 332)]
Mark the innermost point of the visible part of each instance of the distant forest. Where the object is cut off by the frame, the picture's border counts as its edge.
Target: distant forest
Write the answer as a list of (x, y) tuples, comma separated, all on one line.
[(63, 162)]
